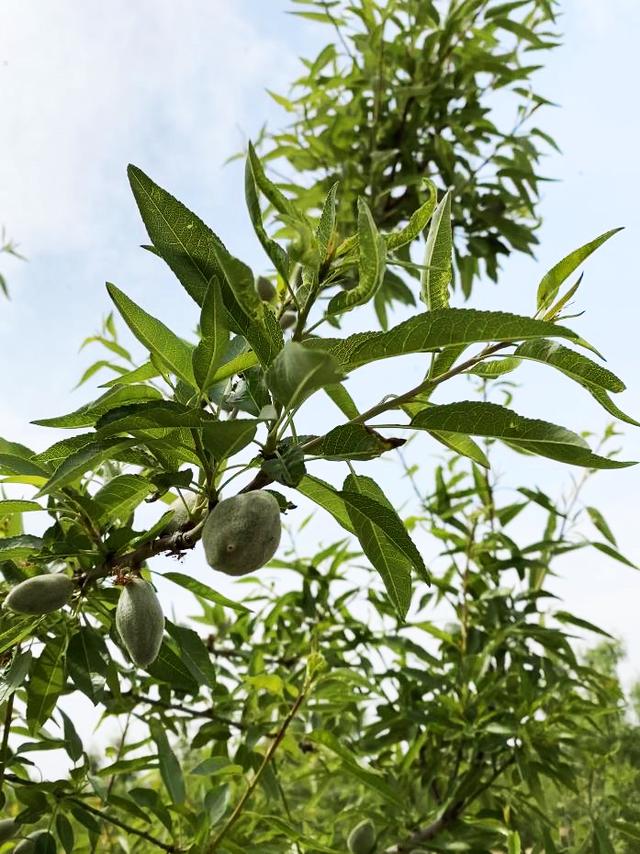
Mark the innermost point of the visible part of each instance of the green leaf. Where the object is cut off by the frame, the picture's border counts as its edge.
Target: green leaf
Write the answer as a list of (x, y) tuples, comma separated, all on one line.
[(65, 833), (88, 660), (247, 313), (72, 741), (298, 371), (342, 399), (601, 524), (271, 192), (385, 541), (163, 344), (46, 683), (353, 442), (325, 496), (156, 414), (204, 591), (20, 547), (371, 264), (118, 498), (213, 344), (11, 506), (13, 677), (16, 632), (417, 222), (434, 330), (538, 437), (437, 258), (147, 371), (194, 654), (225, 438), (372, 779), (551, 281), (275, 252), (514, 845), (325, 230), (87, 459), (170, 769), (462, 445), (171, 669), (90, 413), (580, 368), (608, 550), (180, 238)]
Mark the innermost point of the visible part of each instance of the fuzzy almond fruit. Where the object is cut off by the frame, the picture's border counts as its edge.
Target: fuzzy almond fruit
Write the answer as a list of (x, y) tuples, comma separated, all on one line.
[(41, 594), (362, 839), (242, 533), (140, 621), (182, 509)]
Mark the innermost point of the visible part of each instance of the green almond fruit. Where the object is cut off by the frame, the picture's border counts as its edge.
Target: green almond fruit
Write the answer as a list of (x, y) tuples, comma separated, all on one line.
[(242, 533), (41, 594), (8, 829), (182, 509), (266, 289), (288, 319), (362, 839), (140, 621)]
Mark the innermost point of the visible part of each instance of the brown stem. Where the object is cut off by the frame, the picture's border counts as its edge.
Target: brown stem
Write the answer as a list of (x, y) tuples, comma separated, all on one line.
[(235, 815), (8, 716), (187, 710), (124, 826)]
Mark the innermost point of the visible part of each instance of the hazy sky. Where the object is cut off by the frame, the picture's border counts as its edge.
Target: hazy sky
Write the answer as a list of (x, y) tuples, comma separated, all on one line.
[(86, 87)]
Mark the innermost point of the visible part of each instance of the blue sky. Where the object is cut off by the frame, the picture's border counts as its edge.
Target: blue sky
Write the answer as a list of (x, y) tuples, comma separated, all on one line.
[(176, 88)]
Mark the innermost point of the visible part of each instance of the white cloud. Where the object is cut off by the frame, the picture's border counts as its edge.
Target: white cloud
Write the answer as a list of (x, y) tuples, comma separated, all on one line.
[(87, 86)]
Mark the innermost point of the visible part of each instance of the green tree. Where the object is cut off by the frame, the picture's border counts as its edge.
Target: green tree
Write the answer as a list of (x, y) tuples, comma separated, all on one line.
[(280, 722), (409, 89)]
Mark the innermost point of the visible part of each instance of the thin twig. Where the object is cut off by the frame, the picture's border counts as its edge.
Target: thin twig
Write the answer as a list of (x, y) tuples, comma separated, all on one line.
[(235, 815)]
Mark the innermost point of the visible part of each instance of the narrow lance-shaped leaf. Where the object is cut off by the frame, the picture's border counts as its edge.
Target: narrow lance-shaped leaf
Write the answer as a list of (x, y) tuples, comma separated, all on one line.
[(325, 496), (385, 541), (84, 460), (437, 258), (533, 435), (275, 252), (325, 229), (47, 682), (170, 770), (371, 264), (280, 202), (248, 314), (179, 237), (213, 344), (551, 281), (435, 330), (168, 348), (417, 222)]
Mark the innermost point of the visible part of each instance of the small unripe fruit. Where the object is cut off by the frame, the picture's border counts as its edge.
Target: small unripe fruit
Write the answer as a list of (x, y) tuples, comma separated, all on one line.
[(266, 289), (28, 845), (140, 621), (362, 839), (8, 829), (242, 533), (288, 319), (40, 594), (182, 509)]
